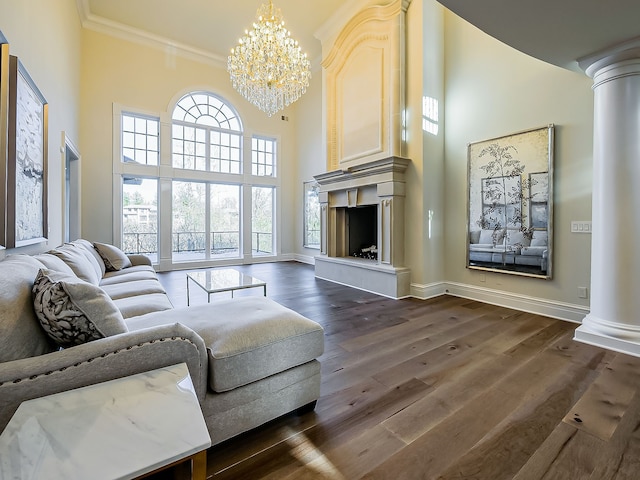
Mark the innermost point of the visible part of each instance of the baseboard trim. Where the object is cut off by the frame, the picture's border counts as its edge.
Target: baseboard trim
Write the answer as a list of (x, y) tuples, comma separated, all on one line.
[(562, 311), (525, 303), (431, 290), (308, 259)]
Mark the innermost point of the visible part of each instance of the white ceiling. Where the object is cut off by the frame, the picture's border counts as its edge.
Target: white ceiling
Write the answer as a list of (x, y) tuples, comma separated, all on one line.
[(556, 31), (212, 26)]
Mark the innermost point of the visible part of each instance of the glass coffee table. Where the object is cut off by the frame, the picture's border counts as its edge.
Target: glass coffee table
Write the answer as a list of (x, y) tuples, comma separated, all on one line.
[(216, 280)]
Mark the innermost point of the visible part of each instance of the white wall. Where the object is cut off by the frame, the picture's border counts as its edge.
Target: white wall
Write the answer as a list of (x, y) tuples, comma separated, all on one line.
[(493, 90), (310, 158), (45, 35)]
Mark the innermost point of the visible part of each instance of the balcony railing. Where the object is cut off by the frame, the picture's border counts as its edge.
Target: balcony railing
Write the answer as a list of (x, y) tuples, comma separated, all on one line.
[(222, 242)]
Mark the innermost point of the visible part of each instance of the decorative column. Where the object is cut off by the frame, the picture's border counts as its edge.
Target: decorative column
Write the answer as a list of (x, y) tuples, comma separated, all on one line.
[(614, 319)]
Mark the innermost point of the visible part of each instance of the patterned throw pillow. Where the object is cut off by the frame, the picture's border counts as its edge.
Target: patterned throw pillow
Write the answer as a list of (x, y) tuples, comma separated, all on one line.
[(113, 257), (72, 311)]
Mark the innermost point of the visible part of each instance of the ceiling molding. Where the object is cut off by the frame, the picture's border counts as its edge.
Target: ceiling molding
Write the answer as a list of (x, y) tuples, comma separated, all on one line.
[(125, 32)]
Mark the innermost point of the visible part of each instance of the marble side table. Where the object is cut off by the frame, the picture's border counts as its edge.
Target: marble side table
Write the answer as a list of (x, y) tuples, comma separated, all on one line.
[(119, 429)]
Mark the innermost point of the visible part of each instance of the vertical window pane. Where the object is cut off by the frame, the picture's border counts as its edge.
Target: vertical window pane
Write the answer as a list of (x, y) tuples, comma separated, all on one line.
[(225, 220), (311, 215), (140, 139), (262, 203), (140, 216), (188, 231), (263, 156)]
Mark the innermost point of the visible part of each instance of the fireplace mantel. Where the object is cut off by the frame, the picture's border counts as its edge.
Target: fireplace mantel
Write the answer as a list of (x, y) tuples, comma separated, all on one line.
[(380, 183)]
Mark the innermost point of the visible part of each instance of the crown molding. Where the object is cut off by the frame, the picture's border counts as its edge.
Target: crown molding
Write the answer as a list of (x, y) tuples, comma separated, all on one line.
[(141, 37)]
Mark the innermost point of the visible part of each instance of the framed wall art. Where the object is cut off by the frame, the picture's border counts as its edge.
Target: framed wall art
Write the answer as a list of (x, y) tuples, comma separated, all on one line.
[(27, 159), (4, 126), (510, 203)]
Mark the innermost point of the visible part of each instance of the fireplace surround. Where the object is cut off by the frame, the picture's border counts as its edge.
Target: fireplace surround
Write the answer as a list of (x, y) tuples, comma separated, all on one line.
[(376, 185)]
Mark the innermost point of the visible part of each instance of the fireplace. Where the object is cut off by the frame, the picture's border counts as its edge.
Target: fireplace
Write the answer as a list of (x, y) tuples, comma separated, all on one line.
[(362, 227)]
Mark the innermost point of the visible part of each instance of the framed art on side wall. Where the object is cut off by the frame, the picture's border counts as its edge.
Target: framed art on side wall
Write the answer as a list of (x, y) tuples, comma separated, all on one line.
[(4, 126), (510, 203), (27, 160)]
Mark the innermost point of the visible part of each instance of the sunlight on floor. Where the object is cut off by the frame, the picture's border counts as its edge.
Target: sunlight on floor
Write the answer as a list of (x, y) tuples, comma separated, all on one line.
[(309, 455)]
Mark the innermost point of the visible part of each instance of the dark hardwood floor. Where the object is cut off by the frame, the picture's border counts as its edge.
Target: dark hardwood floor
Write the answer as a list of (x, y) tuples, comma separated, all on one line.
[(446, 388)]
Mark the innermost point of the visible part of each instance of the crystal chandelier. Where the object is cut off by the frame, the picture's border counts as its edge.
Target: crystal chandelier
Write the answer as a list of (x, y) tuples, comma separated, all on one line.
[(267, 66)]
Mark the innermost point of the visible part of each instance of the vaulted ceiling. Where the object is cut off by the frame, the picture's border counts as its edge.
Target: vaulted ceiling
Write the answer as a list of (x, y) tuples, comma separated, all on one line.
[(212, 26), (556, 31)]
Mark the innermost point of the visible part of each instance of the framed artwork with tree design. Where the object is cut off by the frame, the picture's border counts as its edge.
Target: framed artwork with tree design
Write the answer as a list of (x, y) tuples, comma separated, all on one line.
[(27, 160), (510, 203)]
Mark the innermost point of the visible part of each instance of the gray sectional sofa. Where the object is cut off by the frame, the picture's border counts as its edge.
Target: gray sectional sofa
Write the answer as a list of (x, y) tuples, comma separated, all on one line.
[(250, 359)]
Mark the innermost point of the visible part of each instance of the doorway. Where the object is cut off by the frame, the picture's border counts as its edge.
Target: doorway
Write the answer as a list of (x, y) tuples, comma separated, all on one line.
[(71, 190)]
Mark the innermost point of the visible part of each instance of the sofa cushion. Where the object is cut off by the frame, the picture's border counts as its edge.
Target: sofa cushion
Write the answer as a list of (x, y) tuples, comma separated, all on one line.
[(113, 257), (54, 263), (133, 289), (127, 271), (491, 237), (533, 251), (93, 253), (141, 304), (72, 311), (128, 275), (21, 335), (248, 338), (76, 258)]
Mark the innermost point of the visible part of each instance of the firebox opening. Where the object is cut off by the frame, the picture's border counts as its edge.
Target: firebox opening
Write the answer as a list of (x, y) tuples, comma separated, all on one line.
[(362, 225)]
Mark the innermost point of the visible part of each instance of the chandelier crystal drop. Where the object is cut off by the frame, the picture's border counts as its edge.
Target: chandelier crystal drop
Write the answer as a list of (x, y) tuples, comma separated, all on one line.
[(267, 67)]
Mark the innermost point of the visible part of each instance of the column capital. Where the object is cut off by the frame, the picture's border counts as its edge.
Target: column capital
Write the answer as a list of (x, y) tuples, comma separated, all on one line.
[(622, 52)]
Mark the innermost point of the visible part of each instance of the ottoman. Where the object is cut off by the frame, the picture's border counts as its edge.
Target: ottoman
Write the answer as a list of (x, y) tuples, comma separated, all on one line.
[(261, 360)]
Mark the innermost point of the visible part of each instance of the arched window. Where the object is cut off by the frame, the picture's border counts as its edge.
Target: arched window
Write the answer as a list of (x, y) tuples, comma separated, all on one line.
[(206, 134)]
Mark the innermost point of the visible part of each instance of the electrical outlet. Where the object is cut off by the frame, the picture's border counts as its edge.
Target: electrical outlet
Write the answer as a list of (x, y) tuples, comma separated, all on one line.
[(483, 278), (583, 292)]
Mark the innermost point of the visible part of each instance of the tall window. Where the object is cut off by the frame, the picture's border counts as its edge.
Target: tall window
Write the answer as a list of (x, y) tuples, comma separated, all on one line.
[(311, 215), (140, 146), (262, 200), (210, 196)]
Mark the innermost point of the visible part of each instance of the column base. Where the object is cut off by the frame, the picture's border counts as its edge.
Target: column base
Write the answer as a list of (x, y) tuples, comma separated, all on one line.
[(601, 333)]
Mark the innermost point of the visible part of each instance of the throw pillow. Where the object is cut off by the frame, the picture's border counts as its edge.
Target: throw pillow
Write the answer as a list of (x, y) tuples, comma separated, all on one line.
[(113, 257), (539, 239), (72, 311), (79, 262)]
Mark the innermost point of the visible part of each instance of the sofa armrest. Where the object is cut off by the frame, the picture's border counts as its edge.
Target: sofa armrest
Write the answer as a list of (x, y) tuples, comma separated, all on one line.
[(139, 259), (102, 360)]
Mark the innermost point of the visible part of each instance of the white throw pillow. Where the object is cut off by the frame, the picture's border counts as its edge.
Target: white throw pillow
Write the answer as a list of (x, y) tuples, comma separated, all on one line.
[(72, 311)]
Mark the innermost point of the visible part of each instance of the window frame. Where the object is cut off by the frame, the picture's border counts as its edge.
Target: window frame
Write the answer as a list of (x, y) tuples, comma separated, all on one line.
[(165, 173)]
